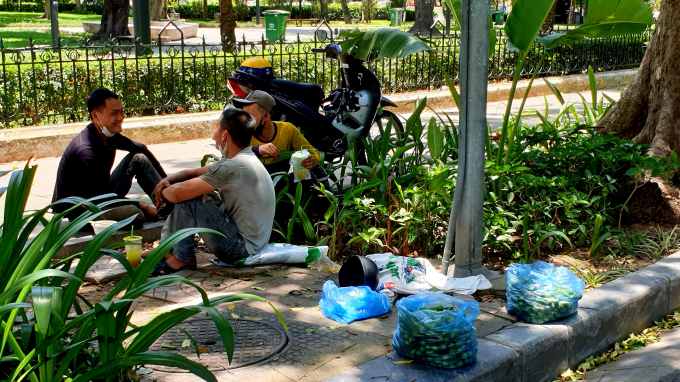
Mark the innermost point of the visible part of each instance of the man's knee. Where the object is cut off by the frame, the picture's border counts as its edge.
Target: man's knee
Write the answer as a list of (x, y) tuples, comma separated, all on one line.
[(141, 158)]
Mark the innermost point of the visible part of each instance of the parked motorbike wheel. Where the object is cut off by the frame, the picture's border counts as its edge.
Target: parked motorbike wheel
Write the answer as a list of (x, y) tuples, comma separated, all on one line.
[(377, 132)]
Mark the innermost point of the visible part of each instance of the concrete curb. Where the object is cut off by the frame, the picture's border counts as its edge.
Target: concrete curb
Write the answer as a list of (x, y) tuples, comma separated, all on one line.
[(525, 352), (51, 140)]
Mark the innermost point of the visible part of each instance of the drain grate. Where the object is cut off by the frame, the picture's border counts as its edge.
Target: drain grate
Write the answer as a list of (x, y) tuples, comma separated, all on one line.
[(254, 342)]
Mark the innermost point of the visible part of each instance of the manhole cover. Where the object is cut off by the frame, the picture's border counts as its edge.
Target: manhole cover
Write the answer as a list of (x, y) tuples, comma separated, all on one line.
[(254, 341)]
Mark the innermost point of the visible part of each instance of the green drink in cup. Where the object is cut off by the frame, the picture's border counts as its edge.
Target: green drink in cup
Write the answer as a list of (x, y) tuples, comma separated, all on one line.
[(133, 249)]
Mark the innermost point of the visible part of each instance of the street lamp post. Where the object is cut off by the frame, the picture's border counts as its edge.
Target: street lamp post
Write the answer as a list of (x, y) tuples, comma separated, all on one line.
[(466, 212)]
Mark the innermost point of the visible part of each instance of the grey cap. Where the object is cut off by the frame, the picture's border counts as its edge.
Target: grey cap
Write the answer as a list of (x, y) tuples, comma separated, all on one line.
[(256, 96)]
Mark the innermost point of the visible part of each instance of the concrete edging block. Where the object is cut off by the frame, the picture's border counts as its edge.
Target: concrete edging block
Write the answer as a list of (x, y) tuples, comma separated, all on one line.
[(495, 363), (613, 311), (543, 350), (670, 268)]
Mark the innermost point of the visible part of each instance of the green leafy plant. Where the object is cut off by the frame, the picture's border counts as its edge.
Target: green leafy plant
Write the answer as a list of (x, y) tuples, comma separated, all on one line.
[(65, 322), (592, 278), (596, 239)]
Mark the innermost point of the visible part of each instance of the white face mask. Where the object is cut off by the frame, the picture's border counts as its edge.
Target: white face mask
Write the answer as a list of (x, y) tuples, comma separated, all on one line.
[(223, 150), (105, 131)]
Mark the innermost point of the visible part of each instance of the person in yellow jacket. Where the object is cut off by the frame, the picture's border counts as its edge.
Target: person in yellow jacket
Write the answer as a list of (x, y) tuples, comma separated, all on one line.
[(274, 137)]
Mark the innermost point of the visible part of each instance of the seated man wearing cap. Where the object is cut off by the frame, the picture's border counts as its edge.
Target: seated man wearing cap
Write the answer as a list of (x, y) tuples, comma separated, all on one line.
[(271, 138)]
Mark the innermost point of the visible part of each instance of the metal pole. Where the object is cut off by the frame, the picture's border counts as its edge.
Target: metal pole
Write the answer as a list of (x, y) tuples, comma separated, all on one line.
[(448, 19), (257, 12), (54, 23), (468, 214), (142, 25)]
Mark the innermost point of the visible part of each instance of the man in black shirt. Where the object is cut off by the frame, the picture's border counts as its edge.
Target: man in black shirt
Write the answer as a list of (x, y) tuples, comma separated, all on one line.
[(85, 166)]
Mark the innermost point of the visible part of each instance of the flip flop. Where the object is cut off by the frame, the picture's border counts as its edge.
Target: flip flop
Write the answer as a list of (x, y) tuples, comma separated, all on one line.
[(168, 270)]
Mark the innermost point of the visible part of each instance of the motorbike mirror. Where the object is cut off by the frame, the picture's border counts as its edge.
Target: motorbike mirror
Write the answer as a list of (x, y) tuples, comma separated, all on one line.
[(321, 35)]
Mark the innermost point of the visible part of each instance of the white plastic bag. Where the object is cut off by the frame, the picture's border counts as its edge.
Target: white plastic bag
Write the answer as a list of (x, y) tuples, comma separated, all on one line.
[(407, 275), (299, 171), (275, 253)]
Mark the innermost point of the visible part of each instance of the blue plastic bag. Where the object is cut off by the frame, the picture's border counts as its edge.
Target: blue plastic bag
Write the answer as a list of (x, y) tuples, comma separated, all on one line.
[(346, 305), (541, 292), (437, 330)]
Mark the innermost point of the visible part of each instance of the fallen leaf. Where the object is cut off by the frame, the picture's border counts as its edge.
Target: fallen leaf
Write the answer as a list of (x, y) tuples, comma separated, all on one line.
[(186, 343), (403, 361), (231, 306), (182, 143), (143, 371), (307, 296), (202, 349), (255, 318), (234, 315), (310, 330), (315, 308), (258, 288), (332, 327), (296, 309), (245, 278), (153, 312), (487, 298), (168, 346), (218, 283)]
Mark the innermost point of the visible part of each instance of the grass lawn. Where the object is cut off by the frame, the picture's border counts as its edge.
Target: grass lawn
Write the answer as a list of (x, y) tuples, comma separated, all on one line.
[(20, 38), (30, 20), (251, 24)]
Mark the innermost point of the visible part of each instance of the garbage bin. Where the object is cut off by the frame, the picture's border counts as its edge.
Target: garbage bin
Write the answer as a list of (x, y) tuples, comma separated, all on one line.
[(275, 24), (396, 15), (499, 17)]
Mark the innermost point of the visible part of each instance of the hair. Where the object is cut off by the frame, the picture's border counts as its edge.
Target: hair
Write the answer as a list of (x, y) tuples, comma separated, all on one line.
[(98, 98), (239, 124)]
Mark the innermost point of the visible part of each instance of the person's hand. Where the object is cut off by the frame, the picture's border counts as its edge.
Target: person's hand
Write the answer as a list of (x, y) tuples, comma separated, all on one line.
[(158, 191), (308, 163), (269, 150), (148, 209)]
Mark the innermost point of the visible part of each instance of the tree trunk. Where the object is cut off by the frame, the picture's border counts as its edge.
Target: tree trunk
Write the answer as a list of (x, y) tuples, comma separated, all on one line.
[(114, 20), (205, 9), (156, 9), (324, 9), (79, 5), (345, 12), (423, 24), (572, 12), (47, 10), (227, 22), (647, 111), (549, 22)]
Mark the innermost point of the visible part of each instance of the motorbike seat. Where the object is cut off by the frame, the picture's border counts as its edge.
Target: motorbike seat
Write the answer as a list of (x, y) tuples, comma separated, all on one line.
[(309, 94)]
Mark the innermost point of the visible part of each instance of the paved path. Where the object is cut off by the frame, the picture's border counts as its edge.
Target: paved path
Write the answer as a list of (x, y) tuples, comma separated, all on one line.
[(178, 156), (658, 362)]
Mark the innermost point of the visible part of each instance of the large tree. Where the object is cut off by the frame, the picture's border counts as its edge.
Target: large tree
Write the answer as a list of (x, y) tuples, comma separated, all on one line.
[(324, 9), (424, 22), (114, 21), (156, 9), (647, 111), (227, 21), (345, 12), (647, 114), (549, 23)]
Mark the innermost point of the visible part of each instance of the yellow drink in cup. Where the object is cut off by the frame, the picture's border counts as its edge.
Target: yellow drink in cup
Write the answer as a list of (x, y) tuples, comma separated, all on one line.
[(133, 249)]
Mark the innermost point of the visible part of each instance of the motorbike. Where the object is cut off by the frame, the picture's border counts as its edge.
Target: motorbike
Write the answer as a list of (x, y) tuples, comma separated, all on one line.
[(355, 109)]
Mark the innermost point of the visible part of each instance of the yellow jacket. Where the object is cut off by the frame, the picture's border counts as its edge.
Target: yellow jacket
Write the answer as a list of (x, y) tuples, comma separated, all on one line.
[(287, 137)]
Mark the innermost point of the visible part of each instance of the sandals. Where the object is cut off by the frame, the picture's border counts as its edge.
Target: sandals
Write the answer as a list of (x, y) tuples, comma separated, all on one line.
[(168, 270)]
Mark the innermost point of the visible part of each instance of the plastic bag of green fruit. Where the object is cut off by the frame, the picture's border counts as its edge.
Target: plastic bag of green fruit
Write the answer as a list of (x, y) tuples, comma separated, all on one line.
[(541, 292), (437, 330)]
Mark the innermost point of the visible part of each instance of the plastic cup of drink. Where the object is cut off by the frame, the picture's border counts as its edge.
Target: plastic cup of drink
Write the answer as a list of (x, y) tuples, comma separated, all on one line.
[(133, 249), (301, 173)]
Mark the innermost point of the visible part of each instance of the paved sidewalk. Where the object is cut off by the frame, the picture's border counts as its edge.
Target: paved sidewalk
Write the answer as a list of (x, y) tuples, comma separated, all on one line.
[(657, 362), (178, 156)]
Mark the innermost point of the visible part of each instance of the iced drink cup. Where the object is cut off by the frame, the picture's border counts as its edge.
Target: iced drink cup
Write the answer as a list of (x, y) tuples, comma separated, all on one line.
[(133, 249), (301, 173)]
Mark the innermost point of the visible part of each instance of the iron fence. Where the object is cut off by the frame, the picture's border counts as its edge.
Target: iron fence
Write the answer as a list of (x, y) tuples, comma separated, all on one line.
[(41, 85)]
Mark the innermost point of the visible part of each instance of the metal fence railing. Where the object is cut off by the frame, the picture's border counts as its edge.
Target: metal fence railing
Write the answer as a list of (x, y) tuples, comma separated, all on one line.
[(41, 85)]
